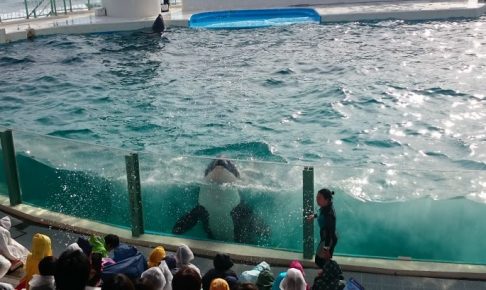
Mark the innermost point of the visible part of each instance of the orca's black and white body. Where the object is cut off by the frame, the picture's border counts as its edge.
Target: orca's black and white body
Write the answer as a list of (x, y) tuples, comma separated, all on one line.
[(223, 215)]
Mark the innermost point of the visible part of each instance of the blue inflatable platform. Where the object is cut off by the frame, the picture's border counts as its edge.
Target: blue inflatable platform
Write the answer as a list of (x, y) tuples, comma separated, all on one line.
[(238, 19)]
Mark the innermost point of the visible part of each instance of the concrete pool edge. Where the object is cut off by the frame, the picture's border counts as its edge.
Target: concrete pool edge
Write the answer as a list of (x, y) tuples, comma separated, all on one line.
[(252, 254), (84, 23)]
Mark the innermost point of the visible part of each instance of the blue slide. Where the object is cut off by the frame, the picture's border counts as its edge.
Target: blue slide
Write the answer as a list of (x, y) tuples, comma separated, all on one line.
[(237, 19)]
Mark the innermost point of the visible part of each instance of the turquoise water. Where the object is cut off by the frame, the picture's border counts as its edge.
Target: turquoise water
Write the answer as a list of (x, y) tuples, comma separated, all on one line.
[(390, 113)]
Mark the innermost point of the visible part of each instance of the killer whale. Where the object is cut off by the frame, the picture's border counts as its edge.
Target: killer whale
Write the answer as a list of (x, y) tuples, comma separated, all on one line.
[(223, 214)]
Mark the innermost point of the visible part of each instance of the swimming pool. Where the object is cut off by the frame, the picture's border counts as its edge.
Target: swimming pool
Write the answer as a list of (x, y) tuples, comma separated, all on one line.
[(390, 113)]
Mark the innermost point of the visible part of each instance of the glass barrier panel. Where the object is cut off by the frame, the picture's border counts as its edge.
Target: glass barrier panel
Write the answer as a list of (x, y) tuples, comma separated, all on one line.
[(423, 215), (3, 180), (73, 178), (233, 202)]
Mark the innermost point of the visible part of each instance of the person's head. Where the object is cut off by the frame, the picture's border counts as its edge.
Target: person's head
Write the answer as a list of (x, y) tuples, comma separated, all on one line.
[(186, 279), (47, 266), (72, 271), (294, 280), (118, 282), (111, 242), (184, 255), (247, 286), (41, 246), (295, 264), (222, 262), (156, 256), (156, 278), (145, 284), (324, 197), (219, 284), (171, 262)]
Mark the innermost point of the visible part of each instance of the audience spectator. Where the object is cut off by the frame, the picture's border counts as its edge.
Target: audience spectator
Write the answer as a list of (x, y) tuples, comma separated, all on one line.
[(265, 280), (10, 248), (118, 282), (294, 280), (184, 256), (186, 279), (156, 277), (157, 259), (295, 264), (72, 271), (222, 269), (45, 279), (219, 284), (41, 247)]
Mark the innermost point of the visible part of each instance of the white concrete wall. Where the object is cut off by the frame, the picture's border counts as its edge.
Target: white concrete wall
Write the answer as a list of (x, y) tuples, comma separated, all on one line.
[(132, 8), (191, 6)]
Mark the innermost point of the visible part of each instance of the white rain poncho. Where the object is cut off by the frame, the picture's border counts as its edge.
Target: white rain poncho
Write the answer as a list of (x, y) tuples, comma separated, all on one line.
[(293, 281), (167, 275), (10, 248), (184, 256), (251, 276), (155, 276)]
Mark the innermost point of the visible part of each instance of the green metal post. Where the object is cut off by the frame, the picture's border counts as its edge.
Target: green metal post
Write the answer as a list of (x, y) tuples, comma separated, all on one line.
[(135, 194), (70, 6), (89, 5), (308, 203), (11, 171), (26, 9), (65, 7)]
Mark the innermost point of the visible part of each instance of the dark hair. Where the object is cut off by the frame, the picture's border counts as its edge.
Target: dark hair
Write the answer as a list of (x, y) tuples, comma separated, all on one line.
[(47, 266), (186, 279), (112, 241), (95, 273), (118, 282), (145, 284), (326, 193), (222, 262), (72, 271), (247, 286)]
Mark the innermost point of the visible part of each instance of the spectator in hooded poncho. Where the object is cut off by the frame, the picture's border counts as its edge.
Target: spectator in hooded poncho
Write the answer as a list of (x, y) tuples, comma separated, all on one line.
[(184, 256), (294, 280), (10, 248), (155, 276), (41, 247), (295, 264), (222, 269), (265, 280), (157, 259)]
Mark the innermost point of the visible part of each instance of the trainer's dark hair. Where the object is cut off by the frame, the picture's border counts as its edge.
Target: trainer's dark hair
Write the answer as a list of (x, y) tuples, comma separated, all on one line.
[(326, 193), (112, 241), (47, 266), (118, 282), (72, 271), (186, 279)]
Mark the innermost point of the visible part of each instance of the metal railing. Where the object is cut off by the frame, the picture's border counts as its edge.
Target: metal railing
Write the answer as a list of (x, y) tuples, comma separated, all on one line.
[(26, 9)]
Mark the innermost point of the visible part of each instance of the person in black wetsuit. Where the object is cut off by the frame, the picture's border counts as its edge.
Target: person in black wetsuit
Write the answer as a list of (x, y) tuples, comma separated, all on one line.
[(327, 225)]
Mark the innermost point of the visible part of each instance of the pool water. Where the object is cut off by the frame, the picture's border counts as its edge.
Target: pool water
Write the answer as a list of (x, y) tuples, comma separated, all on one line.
[(391, 114)]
